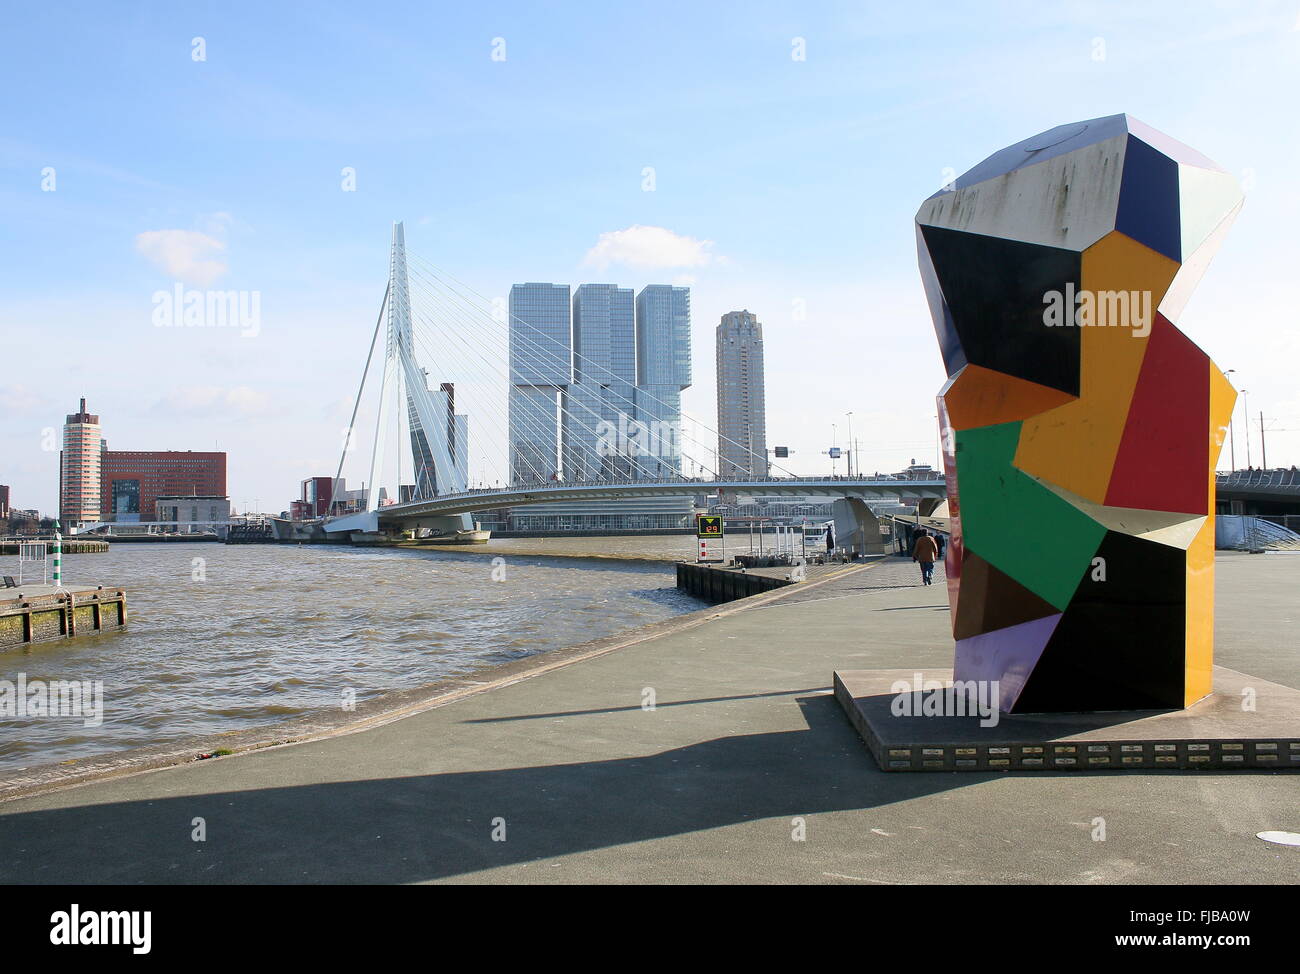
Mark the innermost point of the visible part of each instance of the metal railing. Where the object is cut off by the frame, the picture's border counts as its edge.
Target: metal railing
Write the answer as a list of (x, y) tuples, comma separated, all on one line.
[(1283, 477), (1243, 532)]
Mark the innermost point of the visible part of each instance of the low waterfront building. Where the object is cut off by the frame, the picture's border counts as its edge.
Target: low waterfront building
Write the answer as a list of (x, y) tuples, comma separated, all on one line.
[(776, 507), (195, 514), (132, 481), (23, 522), (315, 496), (631, 514)]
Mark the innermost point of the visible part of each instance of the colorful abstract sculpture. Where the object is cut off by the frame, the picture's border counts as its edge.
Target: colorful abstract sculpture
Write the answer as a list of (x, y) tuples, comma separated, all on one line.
[(1081, 427)]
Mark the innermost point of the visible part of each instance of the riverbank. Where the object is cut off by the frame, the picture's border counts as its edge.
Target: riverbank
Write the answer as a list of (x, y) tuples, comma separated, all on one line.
[(709, 751), (366, 714), (69, 546), (234, 637), (620, 547)]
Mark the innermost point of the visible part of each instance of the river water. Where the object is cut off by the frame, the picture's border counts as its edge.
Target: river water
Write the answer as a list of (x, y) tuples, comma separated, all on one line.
[(225, 637)]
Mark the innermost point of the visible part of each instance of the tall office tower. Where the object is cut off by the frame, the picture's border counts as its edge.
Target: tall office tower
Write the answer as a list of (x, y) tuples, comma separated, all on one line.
[(457, 434), (79, 468), (622, 407), (663, 370), (742, 407), (460, 453), (423, 462), (602, 397), (541, 370)]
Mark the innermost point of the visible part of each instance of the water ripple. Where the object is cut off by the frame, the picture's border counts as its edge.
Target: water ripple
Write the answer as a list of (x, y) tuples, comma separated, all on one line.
[(276, 632)]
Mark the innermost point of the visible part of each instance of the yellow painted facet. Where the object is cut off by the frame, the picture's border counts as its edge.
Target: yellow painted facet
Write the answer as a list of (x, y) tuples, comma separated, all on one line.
[(1074, 445), (1199, 659)]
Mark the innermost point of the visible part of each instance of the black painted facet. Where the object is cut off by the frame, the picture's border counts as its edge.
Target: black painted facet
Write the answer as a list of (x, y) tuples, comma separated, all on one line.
[(994, 290), (1120, 643)]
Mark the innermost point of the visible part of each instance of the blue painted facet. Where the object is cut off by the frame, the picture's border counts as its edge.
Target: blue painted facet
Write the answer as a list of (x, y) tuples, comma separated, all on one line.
[(1148, 199)]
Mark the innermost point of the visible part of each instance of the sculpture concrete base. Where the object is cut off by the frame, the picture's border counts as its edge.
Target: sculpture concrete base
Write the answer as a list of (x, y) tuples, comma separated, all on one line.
[(1217, 733)]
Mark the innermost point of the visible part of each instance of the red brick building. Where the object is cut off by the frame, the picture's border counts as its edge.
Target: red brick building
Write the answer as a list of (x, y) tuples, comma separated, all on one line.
[(133, 480)]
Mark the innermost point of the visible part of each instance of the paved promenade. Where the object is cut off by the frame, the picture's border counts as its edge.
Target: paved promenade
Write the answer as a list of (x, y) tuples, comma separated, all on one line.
[(744, 751)]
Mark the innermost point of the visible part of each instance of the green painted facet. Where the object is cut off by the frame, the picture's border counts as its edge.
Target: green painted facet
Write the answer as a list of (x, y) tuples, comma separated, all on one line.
[(1016, 524)]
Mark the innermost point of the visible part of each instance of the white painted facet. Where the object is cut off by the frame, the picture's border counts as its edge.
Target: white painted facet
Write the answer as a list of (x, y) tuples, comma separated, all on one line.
[(1067, 201), (1173, 528), (1180, 152), (1180, 534), (1193, 269), (1205, 198)]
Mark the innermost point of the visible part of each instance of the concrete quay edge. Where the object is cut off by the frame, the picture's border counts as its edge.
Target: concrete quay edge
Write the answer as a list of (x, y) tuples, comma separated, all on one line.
[(383, 709)]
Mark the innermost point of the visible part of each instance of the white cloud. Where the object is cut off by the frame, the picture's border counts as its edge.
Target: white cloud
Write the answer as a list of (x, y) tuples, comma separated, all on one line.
[(18, 399), (649, 247), (216, 224), (185, 254), (201, 400), (246, 401)]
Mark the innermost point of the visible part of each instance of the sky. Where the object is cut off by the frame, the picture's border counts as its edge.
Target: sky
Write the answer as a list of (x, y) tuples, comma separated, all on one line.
[(790, 145)]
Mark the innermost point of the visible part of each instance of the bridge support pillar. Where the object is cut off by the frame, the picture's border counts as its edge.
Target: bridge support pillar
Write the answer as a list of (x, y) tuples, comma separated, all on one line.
[(432, 527), (856, 527)]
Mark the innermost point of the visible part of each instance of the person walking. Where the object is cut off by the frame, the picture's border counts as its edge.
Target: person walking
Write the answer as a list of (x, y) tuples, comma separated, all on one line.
[(926, 553)]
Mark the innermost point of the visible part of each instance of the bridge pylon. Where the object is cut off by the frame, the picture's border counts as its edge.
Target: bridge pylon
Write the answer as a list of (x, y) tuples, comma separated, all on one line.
[(428, 413)]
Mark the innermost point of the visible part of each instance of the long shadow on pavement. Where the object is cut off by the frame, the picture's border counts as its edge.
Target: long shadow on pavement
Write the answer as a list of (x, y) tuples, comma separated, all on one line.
[(407, 829)]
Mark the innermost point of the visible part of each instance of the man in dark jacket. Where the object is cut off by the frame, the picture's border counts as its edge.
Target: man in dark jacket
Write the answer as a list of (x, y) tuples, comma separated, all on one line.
[(926, 552)]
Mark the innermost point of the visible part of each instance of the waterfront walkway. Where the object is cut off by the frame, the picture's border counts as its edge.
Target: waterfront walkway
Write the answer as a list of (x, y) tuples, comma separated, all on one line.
[(744, 750)]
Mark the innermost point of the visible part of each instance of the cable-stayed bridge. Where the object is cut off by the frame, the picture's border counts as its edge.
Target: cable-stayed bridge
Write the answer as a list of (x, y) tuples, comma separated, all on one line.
[(587, 430), (415, 513)]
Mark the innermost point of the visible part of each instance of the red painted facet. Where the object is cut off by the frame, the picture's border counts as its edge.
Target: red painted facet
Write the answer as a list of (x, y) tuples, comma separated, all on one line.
[(1164, 454)]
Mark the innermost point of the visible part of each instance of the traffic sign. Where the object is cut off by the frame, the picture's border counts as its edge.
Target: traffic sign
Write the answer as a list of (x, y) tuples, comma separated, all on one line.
[(708, 525), (711, 551)]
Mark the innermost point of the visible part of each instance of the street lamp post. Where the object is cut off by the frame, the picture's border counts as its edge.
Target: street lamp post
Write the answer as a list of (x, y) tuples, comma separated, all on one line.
[(1245, 410), (834, 432), (1232, 440), (850, 414)]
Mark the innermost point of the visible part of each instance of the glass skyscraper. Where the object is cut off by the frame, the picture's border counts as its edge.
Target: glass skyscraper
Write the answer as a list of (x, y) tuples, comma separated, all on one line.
[(602, 397), (541, 370), (663, 336), (614, 411), (455, 436), (663, 345)]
